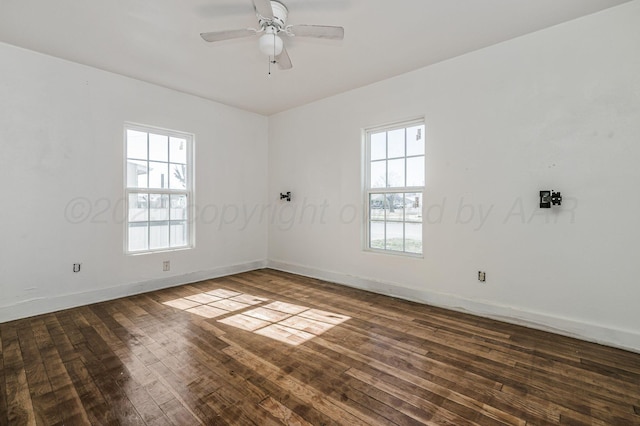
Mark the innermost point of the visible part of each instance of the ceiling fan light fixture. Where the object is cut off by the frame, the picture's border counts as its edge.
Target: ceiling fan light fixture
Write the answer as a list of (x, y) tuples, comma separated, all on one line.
[(270, 44)]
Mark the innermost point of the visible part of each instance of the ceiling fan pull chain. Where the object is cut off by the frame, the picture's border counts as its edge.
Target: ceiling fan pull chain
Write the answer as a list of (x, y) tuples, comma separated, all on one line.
[(273, 61)]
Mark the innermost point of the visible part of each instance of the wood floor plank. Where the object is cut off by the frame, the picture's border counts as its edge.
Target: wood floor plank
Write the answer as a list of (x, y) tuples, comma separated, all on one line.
[(445, 387), (568, 374), (334, 409), (66, 396), (191, 400), (99, 369), (281, 412), (312, 369), (3, 394), (161, 395), (19, 402), (290, 400), (269, 348), (42, 396)]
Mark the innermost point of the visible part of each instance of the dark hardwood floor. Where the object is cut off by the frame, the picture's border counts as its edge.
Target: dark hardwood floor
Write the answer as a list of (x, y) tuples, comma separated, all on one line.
[(266, 347)]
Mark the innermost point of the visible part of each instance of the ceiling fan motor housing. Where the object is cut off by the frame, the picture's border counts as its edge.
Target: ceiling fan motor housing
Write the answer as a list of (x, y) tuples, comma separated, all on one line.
[(280, 14)]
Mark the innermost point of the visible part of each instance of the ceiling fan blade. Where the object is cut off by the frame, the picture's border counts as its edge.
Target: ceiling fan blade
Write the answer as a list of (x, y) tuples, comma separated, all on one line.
[(263, 8), (317, 31), (284, 61), (227, 35)]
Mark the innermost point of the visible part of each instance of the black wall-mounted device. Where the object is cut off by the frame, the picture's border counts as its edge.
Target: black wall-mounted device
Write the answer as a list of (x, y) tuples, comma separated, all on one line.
[(549, 198), (285, 196)]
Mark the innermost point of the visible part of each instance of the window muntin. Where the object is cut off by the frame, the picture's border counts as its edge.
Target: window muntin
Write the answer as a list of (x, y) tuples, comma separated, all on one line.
[(395, 178), (158, 189)]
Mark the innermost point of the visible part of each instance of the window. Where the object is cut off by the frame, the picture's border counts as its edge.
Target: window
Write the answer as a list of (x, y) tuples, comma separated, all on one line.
[(394, 187), (159, 189)]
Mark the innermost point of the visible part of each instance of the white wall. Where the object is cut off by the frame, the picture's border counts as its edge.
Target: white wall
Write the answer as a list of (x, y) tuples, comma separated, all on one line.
[(61, 141), (558, 109)]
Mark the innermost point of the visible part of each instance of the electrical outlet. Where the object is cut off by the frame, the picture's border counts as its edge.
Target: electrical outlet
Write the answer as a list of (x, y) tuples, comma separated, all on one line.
[(76, 267), (482, 276), (166, 266)]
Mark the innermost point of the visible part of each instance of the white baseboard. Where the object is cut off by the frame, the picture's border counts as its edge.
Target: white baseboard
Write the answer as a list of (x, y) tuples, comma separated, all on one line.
[(623, 339), (37, 306)]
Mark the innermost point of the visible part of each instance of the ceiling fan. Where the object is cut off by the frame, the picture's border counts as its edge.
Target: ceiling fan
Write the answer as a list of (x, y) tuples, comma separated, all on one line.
[(272, 21)]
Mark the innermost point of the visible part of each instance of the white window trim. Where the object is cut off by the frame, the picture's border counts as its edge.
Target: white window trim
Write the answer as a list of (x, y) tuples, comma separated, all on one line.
[(397, 190), (189, 191)]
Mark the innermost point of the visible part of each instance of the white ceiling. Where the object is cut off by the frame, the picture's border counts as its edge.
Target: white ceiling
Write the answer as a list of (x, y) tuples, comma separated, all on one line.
[(158, 40)]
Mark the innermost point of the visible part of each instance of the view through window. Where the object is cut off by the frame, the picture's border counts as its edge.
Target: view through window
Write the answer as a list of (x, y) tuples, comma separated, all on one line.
[(158, 189), (395, 178)]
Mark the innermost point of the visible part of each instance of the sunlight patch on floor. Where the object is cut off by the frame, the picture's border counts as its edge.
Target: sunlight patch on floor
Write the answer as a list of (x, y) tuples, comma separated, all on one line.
[(216, 303), (285, 322)]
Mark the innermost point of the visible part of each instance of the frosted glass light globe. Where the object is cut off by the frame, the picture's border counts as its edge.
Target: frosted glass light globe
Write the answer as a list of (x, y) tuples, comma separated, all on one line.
[(270, 43)]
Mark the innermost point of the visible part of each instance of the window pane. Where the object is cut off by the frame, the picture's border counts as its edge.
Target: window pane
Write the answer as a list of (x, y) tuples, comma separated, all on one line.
[(136, 174), (415, 140), (138, 236), (376, 206), (379, 146), (413, 207), (178, 150), (415, 171), (376, 235), (158, 207), (396, 163), (157, 218), (395, 207), (158, 235), (158, 175), (396, 143), (138, 208), (177, 176), (179, 234), (396, 173), (378, 178), (178, 207), (136, 145), (413, 237), (395, 236), (158, 147)]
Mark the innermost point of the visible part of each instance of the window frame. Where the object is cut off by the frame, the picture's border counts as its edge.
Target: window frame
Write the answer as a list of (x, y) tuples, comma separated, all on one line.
[(189, 190), (369, 190)]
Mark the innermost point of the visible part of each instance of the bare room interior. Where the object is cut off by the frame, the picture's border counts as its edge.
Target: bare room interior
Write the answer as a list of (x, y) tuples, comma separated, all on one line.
[(320, 212)]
